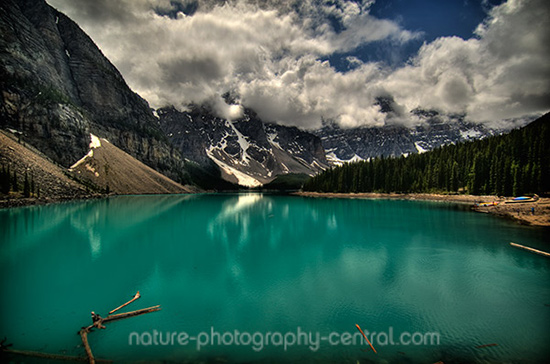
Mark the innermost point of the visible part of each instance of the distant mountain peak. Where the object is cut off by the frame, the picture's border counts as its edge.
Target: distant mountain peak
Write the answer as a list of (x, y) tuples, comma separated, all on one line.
[(247, 151)]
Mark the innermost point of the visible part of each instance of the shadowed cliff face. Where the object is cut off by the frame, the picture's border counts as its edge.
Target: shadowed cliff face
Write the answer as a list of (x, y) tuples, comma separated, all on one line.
[(39, 96), (57, 88)]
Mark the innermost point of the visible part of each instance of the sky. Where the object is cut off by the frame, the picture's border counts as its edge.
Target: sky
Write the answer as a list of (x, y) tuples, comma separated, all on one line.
[(302, 62)]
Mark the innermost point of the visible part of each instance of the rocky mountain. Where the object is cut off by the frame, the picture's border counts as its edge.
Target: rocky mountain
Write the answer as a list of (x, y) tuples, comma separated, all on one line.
[(107, 168), (248, 151), (57, 88), (435, 130)]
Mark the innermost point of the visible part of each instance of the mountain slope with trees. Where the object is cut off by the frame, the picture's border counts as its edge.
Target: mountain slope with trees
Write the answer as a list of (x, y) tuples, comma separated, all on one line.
[(512, 164), (26, 173)]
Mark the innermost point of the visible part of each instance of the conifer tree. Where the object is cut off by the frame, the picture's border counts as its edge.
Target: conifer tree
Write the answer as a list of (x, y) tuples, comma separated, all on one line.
[(2, 178), (14, 184), (26, 186), (5, 180), (32, 184)]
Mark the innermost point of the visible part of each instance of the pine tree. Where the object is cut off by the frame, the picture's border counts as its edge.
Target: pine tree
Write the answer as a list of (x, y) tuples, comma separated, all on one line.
[(5, 180), (516, 175), (32, 185), (26, 186), (453, 183), (14, 184)]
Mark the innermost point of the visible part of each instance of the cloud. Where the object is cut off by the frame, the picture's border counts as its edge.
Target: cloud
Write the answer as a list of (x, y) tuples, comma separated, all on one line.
[(502, 73), (270, 53)]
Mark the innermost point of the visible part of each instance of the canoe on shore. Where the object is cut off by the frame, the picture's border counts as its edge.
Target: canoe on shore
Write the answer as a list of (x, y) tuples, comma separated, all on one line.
[(487, 204), (523, 199)]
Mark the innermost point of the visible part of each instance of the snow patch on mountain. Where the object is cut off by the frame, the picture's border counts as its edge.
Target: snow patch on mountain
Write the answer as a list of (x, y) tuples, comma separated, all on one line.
[(419, 148), (243, 143), (271, 136), (242, 179), (94, 143), (333, 159), (470, 134)]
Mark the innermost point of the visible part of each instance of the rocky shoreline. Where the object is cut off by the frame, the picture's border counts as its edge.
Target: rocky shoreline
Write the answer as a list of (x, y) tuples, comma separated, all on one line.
[(530, 213), (37, 201)]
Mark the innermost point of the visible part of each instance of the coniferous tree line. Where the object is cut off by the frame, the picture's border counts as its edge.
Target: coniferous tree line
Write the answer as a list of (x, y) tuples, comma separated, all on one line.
[(9, 182), (507, 165)]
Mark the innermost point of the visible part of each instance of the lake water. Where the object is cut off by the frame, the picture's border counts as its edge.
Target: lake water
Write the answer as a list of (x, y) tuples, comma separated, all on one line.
[(265, 278)]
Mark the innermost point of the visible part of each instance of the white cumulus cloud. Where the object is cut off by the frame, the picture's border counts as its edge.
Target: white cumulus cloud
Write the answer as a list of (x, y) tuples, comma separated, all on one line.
[(270, 54)]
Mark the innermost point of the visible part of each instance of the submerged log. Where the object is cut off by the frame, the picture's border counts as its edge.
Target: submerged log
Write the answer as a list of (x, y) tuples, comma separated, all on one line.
[(84, 336), (37, 354), (485, 346), (540, 252), (98, 322)]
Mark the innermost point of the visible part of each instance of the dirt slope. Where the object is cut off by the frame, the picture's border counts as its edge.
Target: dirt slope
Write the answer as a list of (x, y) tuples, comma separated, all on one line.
[(110, 168), (50, 179)]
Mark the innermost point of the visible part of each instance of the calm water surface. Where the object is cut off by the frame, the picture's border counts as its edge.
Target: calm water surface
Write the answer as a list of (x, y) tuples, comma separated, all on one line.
[(264, 264)]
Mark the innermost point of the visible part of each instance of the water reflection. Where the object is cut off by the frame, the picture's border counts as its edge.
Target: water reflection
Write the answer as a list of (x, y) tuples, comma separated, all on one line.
[(262, 262), (232, 225)]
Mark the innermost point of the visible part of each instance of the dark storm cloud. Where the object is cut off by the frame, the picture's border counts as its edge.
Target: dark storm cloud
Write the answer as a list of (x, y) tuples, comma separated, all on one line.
[(184, 7), (196, 70)]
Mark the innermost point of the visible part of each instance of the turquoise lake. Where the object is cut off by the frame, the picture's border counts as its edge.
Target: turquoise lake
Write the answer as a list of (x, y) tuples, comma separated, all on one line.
[(251, 272)]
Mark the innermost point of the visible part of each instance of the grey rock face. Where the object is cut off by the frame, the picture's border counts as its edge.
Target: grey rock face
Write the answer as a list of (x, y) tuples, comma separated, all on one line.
[(248, 151), (57, 88), (368, 142)]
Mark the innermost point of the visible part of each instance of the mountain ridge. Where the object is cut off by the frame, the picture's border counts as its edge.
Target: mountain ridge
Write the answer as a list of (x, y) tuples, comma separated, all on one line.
[(432, 131), (247, 150)]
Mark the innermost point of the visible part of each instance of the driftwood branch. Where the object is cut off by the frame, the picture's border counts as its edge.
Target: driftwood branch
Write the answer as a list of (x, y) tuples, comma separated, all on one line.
[(98, 323), (84, 336), (536, 251), (126, 304), (121, 316)]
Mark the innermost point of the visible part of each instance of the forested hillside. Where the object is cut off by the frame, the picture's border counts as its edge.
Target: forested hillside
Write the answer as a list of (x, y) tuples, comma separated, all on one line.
[(512, 164)]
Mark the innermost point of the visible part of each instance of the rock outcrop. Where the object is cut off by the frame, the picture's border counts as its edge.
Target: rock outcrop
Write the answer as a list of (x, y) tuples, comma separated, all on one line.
[(57, 88)]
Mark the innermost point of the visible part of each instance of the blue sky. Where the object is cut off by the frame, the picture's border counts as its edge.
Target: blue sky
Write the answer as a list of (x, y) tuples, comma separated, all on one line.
[(432, 18), (298, 62), (436, 18)]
